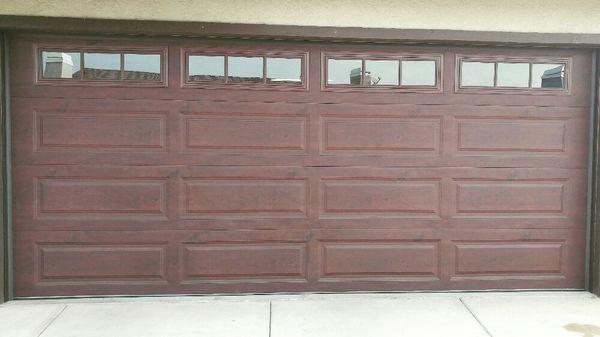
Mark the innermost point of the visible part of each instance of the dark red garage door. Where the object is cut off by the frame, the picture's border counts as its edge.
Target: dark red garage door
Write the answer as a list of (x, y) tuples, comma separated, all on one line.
[(189, 166)]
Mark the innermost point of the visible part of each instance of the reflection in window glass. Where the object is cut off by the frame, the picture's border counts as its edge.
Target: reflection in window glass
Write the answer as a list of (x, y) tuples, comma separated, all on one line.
[(381, 72), (547, 75), (284, 70), (477, 74), (344, 71), (102, 66), (244, 69), (206, 68), (513, 75), (418, 73), (142, 67), (61, 64)]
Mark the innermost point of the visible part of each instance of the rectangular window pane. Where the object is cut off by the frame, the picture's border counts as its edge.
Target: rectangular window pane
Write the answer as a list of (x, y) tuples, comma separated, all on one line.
[(284, 70), (102, 66), (418, 73), (477, 74), (548, 75), (142, 67), (381, 72), (344, 71), (61, 64), (513, 75), (206, 68), (243, 69)]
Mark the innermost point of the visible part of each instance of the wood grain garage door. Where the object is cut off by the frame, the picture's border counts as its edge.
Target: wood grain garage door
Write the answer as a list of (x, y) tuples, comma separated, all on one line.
[(162, 184)]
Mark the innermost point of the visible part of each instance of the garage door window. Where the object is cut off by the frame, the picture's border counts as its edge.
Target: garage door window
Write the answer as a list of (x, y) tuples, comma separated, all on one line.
[(102, 66), (61, 65), (205, 68), (243, 69), (513, 74), (106, 67), (382, 72), (284, 70), (418, 73), (548, 75), (248, 70), (345, 72), (477, 74), (141, 67)]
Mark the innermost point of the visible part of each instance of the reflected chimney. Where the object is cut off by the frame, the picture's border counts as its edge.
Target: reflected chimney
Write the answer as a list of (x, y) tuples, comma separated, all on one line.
[(58, 65)]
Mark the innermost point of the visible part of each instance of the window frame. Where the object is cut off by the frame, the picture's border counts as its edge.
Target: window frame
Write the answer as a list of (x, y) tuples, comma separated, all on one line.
[(303, 55), (496, 59), (121, 50), (438, 58)]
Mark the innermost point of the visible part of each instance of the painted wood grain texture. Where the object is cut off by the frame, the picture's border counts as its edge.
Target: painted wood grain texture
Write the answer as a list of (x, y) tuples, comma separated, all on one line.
[(138, 190)]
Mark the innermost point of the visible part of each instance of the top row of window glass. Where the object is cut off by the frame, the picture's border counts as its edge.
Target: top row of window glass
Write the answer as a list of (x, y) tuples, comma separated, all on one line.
[(512, 74), (288, 70), (101, 65), (381, 72)]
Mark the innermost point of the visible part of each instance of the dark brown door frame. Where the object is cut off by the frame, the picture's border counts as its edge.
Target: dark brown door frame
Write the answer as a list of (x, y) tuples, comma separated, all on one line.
[(155, 28), (594, 184), (4, 229)]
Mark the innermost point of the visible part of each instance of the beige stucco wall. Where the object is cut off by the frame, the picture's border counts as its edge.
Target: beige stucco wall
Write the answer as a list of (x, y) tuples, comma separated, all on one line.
[(571, 16)]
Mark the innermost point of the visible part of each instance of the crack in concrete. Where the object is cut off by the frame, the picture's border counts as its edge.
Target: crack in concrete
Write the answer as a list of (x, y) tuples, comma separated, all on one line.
[(475, 317), (270, 316), (51, 321)]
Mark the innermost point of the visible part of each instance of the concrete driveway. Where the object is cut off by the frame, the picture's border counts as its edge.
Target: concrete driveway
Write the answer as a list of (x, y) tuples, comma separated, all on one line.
[(497, 314)]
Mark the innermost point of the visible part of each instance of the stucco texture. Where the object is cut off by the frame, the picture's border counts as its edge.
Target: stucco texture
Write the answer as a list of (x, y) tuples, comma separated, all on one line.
[(551, 16)]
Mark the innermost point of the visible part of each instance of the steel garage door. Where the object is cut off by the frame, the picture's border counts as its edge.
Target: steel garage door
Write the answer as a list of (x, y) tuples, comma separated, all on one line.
[(190, 166)]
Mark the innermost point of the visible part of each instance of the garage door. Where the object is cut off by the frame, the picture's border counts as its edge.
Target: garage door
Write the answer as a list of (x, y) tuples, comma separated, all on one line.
[(206, 166)]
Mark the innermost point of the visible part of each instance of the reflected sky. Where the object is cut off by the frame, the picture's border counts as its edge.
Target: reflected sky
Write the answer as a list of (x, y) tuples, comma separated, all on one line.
[(102, 61), (238, 66), (338, 71), (513, 75), (383, 72), (142, 62), (418, 72), (284, 68), (477, 74), (206, 65)]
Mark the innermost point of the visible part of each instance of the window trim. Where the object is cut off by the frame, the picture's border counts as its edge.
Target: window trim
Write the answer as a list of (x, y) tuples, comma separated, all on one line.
[(496, 59), (436, 57), (121, 50), (303, 55)]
